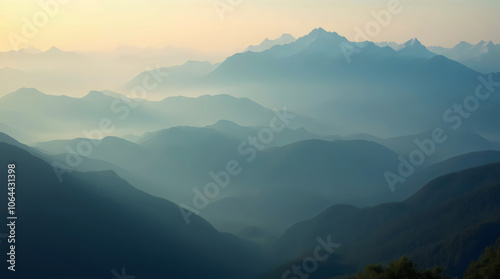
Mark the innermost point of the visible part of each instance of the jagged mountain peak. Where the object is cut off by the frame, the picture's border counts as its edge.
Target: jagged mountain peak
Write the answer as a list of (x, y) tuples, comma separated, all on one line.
[(413, 43)]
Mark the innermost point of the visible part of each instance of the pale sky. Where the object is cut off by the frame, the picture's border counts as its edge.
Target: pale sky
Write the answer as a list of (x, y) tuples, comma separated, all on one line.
[(82, 25)]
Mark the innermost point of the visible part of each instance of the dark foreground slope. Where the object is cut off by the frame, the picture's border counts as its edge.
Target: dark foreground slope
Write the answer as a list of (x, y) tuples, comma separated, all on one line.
[(93, 223), (447, 223)]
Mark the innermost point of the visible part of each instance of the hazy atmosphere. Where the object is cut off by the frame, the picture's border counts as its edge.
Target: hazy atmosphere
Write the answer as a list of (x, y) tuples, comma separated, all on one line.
[(104, 25), (250, 139)]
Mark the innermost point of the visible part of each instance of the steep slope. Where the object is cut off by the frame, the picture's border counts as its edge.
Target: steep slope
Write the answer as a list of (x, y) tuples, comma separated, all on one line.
[(171, 161), (446, 223), (93, 223)]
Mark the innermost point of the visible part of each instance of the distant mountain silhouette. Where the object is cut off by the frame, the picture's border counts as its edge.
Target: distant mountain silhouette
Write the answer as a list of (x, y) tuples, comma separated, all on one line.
[(90, 70), (67, 117), (324, 76), (483, 57), (413, 48), (285, 137), (267, 44), (176, 77)]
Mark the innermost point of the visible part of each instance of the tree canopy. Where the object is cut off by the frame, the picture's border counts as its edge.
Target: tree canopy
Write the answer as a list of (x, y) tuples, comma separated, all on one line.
[(487, 267), (402, 268)]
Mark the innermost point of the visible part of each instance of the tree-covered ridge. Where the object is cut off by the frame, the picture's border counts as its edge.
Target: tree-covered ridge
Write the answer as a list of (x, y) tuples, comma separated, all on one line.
[(402, 268), (488, 265)]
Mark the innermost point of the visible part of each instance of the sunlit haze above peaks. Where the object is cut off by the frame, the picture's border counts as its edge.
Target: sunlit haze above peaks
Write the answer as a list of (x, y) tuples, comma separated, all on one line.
[(103, 25)]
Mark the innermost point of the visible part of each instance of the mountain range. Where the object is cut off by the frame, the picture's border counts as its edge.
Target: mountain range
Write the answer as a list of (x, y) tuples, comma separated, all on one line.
[(483, 57), (76, 73), (314, 173), (68, 117), (96, 206), (239, 168), (317, 77)]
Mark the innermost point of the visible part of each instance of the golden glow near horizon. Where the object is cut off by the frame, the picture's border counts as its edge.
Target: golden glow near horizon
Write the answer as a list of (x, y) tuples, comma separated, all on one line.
[(87, 25)]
